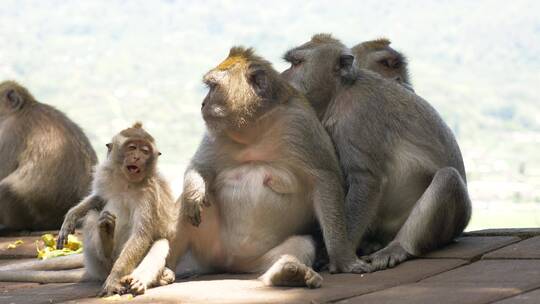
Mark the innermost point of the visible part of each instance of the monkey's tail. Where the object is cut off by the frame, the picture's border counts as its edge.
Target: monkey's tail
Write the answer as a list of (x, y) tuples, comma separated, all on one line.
[(59, 263), (62, 276)]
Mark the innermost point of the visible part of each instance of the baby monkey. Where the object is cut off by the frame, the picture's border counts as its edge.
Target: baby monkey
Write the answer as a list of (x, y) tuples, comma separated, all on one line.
[(129, 219)]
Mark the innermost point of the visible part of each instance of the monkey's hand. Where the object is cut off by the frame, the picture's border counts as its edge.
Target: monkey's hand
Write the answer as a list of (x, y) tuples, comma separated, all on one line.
[(353, 266), (193, 202), (68, 227)]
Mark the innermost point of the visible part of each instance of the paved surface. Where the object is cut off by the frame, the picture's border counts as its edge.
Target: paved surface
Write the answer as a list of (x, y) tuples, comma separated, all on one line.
[(488, 266)]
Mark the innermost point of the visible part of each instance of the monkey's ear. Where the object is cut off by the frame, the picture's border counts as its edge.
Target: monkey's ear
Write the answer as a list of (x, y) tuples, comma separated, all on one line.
[(346, 68), (259, 81), (15, 99)]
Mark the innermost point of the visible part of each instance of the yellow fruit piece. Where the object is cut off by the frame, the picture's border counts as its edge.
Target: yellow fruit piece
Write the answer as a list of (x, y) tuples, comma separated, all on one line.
[(15, 244), (73, 246), (49, 240), (118, 297)]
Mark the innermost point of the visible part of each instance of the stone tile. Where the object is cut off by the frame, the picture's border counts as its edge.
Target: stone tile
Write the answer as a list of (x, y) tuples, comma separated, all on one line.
[(527, 249), (25, 250), (11, 233), (532, 297), (431, 293), (522, 274), (246, 289), (9, 286), (471, 247), (50, 293), (520, 232), (14, 261)]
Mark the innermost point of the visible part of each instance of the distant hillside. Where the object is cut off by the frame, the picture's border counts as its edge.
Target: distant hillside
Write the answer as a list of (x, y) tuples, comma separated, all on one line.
[(109, 63)]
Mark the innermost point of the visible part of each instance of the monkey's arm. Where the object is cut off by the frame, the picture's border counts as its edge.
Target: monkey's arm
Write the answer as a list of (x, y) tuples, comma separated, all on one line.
[(197, 180), (318, 159), (92, 201)]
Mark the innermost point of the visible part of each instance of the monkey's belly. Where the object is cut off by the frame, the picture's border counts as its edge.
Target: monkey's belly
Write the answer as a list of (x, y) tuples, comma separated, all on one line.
[(252, 217)]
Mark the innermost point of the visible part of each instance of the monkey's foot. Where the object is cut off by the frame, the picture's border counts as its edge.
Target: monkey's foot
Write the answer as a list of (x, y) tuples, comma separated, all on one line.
[(167, 277), (388, 257), (289, 271), (356, 266), (111, 287), (106, 223), (132, 285)]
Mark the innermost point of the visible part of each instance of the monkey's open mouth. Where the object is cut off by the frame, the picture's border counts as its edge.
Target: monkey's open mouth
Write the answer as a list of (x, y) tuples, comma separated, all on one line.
[(133, 169)]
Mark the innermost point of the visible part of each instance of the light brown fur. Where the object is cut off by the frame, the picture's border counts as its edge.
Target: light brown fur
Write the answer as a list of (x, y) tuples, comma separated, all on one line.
[(129, 219), (267, 171)]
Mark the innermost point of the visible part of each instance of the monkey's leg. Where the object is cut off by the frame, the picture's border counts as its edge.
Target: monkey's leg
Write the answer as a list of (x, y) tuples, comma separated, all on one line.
[(289, 264), (96, 256), (440, 215), (15, 215), (150, 270)]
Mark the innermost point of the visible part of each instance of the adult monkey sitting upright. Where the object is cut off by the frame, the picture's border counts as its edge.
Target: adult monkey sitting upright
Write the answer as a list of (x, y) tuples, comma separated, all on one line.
[(46, 161), (267, 169), (405, 178)]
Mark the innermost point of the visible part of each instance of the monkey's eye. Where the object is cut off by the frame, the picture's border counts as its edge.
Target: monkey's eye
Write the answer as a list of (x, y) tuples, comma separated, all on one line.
[(132, 147), (210, 84), (295, 62), (145, 149)]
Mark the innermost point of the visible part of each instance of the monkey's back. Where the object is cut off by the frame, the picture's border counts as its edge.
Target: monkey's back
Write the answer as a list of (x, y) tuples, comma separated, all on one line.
[(56, 165)]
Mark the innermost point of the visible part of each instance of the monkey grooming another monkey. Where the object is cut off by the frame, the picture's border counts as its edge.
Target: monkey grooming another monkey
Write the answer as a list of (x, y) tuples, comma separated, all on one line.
[(377, 56), (404, 174), (267, 171), (46, 161), (129, 219)]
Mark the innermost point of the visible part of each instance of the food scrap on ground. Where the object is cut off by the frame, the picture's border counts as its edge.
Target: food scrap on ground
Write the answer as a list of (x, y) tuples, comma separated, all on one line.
[(15, 244), (74, 245)]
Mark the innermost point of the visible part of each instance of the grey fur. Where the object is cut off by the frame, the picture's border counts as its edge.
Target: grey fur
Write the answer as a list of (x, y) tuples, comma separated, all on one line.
[(377, 56), (404, 173), (46, 165)]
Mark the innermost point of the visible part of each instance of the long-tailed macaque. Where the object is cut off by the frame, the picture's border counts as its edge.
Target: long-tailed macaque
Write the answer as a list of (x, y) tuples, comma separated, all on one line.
[(378, 56), (267, 170), (129, 219), (46, 162), (405, 180)]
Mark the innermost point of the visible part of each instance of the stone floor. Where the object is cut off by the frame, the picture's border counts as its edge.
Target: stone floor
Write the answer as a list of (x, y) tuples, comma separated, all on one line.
[(488, 266)]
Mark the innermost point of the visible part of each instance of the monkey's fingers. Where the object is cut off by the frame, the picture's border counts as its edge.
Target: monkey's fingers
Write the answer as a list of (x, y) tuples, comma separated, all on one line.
[(62, 240)]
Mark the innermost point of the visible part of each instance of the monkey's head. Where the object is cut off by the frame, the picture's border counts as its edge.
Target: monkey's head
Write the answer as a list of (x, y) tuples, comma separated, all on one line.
[(133, 150), (377, 56), (13, 98), (240, 89), (318, 67)]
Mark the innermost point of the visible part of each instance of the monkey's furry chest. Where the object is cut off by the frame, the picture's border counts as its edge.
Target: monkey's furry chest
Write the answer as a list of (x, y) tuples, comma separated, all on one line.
[(252, 217)]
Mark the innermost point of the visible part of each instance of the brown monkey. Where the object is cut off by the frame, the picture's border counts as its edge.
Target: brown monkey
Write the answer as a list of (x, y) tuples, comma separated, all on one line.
[(404, 174), (267, 170), (130, 216), (46, 161), (377, 56)]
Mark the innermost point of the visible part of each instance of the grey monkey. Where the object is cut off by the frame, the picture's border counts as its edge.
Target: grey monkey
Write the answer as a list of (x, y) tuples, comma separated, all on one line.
[(405, 179)]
